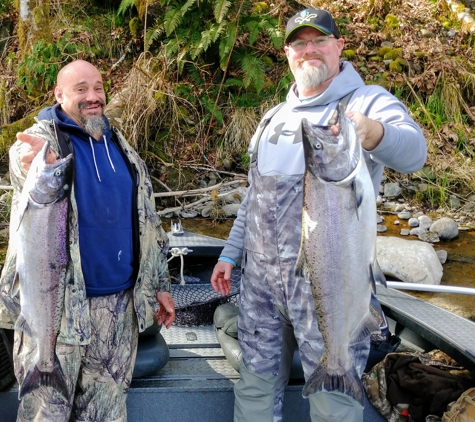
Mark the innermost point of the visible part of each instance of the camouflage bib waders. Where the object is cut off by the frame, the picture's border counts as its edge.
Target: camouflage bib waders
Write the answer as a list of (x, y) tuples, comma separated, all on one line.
[(271, 296)]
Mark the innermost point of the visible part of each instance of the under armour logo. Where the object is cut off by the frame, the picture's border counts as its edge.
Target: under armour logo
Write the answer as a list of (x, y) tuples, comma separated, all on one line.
[(279, 131), (307, 18)]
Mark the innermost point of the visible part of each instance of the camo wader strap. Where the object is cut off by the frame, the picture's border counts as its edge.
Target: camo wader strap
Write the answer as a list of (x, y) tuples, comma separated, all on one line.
[(63, 141), (262, 126)]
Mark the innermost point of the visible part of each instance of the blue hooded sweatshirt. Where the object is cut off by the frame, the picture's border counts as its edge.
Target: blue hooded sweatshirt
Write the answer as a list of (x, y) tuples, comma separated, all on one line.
[(103, 188)]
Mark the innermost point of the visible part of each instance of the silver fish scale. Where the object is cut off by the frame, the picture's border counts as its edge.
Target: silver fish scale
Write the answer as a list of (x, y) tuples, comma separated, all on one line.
[(42, 259), (338, 259), (338, 248)]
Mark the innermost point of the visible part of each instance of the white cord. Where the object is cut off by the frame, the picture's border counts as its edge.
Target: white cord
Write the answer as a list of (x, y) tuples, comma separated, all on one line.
[(180, 252)]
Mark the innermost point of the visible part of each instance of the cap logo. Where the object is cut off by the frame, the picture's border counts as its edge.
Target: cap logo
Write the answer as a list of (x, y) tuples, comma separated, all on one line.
[(307, 18)]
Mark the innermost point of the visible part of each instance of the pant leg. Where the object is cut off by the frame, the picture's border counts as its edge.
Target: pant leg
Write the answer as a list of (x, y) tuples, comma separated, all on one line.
[(253, 396), (108, 361), (262, 392), (289, 345), (45, 403), (334, 407)]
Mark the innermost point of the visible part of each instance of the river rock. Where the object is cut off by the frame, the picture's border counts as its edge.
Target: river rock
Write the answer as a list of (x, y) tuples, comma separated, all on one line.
[(454, 202), (442, 256), (235, 197), (392, 190), (231, 210), (206, 211), (404, 215), (411, 261), (231, 198), (445, 227), (417, 231), (425, 221), (429, 237)]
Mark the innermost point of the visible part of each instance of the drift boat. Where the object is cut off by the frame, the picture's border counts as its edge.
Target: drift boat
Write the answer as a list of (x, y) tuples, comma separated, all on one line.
[(182, 374)]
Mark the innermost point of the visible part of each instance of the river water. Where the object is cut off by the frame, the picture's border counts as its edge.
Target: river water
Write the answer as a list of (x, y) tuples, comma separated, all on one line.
[(459, 269)]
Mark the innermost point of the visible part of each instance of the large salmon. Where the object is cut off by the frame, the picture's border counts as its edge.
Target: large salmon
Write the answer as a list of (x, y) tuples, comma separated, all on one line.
[(42, 258), (338, 250)]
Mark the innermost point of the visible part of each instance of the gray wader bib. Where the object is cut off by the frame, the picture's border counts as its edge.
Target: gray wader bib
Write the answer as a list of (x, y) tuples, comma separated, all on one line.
[(276, 310)]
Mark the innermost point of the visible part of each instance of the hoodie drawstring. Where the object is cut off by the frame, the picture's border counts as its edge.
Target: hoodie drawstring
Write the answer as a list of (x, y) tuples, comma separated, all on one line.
[(94, 156), (108, 155)]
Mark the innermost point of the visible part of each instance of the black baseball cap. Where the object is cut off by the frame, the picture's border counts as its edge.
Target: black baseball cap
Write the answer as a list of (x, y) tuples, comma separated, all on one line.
[(314, 18)]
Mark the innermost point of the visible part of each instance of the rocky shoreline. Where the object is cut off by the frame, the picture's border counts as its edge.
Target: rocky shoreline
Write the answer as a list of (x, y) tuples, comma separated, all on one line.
[(408, 257)]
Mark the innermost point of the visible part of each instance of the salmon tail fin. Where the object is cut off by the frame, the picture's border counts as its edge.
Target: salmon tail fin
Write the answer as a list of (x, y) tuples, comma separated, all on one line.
[(35, 378), (348, 383)]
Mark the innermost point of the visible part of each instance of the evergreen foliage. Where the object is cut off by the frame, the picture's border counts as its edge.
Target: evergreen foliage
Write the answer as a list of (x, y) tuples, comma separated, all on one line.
[(201, 31), (224, 49), (39, 70), (196, 76)]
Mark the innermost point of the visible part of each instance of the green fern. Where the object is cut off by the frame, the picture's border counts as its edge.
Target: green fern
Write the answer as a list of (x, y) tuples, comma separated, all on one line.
[(221, 8), (212, 109), (233, 82), (227, 44), (173, 18), (153, 34), (216, 53), (254, 28), (38, 71), (252, 68), (187, 6), (124, 6), (195, 75)]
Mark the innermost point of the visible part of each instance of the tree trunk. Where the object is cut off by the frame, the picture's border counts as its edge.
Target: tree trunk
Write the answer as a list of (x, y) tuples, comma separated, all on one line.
[(33, 24)]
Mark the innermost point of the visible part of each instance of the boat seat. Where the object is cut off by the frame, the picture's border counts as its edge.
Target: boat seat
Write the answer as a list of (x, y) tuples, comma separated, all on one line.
[(225, 326), (152, 352)]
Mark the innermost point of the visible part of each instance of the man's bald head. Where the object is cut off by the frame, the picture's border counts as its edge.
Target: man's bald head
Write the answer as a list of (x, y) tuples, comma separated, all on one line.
[(75, 69), (80, 93)]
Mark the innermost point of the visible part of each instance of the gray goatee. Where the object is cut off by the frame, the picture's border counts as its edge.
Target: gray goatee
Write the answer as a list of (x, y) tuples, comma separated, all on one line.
[(95, 126), (311, 77)]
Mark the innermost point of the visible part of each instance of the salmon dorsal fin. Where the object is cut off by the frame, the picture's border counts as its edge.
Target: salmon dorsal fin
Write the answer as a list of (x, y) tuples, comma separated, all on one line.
[(15, 286), (376, 275), (22, 325), (367, 326)]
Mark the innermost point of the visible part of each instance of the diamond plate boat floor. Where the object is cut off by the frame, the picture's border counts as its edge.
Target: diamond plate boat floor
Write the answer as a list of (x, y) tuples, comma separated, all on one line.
[(196, 361)]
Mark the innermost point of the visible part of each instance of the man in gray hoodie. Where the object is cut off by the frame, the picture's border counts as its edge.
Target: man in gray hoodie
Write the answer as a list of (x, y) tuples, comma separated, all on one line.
[(276, 311)]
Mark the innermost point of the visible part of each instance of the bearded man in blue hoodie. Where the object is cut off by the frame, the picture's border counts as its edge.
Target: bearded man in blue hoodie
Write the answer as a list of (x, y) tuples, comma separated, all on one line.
[(117, 250), (276, 312)]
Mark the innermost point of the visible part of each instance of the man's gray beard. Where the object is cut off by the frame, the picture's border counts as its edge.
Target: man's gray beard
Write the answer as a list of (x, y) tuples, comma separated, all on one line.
[(95, 126), (311, 77)]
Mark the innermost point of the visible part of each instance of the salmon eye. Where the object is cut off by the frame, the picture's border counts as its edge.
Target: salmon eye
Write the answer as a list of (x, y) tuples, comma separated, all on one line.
[(58, 172), (317, 145)]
